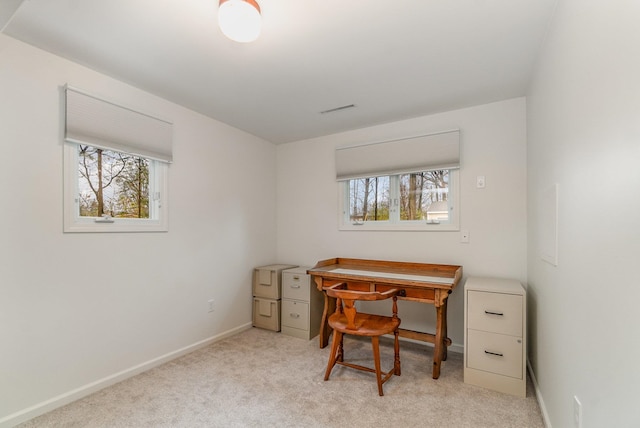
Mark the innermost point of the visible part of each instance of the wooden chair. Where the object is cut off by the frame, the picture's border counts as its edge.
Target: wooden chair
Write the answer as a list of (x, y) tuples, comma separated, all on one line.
[(346, 320)]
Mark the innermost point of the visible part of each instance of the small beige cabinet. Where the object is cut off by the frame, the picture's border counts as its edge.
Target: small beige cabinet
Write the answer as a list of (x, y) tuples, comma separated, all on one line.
[(495, 334), (302, 304)]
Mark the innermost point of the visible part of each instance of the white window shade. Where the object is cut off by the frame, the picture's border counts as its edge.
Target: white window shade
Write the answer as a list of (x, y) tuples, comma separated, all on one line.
[(422, 153), (99, 123)]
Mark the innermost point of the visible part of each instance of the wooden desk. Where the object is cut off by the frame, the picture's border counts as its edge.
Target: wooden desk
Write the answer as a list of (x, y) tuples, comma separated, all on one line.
[(427, 283)]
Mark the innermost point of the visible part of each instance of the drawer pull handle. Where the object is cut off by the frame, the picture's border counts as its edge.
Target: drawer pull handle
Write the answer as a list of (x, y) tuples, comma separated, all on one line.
[(296, 278), (292, 315), (295, 286), (493, 353), (494, 313)]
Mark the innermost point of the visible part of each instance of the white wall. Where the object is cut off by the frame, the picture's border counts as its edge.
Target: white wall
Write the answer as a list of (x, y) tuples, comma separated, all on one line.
[(584, 134), (493, 144), (79, 308)]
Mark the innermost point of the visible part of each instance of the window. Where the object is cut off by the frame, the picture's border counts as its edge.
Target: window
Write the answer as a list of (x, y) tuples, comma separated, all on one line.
[(424, 200), (116, 164), (109, 191), (404, 184)]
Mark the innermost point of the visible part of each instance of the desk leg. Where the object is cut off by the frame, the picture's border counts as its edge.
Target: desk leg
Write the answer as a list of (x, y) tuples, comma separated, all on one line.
[(325, 330), (440, 351), (444, 330)]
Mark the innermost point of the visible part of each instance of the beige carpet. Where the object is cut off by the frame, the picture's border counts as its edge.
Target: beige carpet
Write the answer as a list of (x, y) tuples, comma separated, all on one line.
[(260, 378)]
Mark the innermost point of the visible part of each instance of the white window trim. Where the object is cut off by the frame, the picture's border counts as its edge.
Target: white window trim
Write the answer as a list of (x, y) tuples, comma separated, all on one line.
[(416, 225), (158, 206)]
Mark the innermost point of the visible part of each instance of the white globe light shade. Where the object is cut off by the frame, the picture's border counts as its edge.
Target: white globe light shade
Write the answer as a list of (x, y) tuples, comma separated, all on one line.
[(240, 20)]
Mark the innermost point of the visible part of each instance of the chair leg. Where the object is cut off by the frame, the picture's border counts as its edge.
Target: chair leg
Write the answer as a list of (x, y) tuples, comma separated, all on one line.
[(333, 356), (375, 342), (396, 361)]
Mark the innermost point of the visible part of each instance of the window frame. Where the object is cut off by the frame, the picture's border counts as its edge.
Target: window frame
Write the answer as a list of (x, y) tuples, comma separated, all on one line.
[(394, 223), (158, 205)]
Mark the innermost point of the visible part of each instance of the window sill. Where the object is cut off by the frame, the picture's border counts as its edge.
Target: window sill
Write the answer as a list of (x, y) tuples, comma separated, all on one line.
[(389, 227), (89, 225)]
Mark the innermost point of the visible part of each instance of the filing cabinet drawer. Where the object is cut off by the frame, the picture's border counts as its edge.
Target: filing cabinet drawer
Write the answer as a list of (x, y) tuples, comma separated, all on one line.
[(295, 285), (295, 314), (267, 280), (266, 284), (266, 313), (496, 353), (495, 312)]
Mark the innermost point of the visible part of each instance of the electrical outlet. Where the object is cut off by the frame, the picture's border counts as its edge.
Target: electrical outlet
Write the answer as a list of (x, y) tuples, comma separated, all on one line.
[(577, 412), (211, 306), (480, 182)]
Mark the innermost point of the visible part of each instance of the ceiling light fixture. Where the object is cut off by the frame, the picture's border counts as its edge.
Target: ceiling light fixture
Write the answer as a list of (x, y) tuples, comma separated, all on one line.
[(240, 20)]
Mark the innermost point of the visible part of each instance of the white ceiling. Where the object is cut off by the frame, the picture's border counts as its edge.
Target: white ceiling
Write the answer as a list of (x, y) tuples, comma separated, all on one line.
[(393, 59)]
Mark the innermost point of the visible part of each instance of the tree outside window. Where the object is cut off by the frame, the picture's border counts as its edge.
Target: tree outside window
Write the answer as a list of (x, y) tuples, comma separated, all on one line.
[(400, 198), (112, 183), (422, 195), (369, 199)]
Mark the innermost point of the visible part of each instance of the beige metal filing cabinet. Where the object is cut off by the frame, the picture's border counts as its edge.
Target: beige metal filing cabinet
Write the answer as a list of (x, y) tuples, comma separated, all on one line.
[(267, 292), (302, 304), (495, 334)]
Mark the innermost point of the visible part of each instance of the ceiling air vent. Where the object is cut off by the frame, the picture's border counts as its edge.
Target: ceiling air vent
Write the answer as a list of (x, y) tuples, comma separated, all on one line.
[(338, 109)]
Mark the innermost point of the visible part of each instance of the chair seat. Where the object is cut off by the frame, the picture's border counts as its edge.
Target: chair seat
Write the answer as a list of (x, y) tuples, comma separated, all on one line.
[(367, 324)]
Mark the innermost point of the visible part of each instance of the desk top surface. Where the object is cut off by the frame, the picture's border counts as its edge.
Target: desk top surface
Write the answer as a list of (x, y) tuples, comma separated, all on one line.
[(391, 272)]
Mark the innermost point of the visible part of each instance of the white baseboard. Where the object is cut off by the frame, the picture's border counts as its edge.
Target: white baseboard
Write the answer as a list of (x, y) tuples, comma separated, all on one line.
[(73, 395), (543, 409)]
